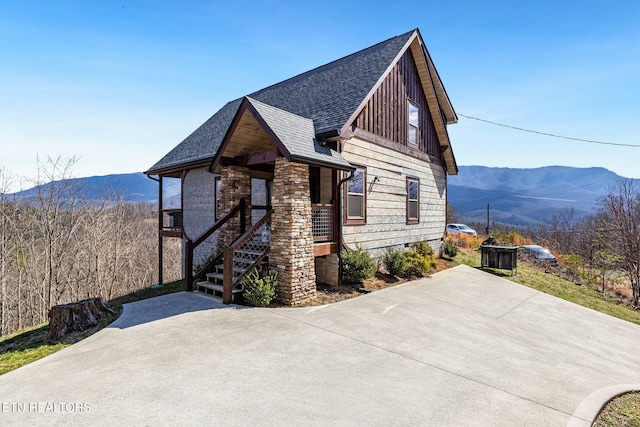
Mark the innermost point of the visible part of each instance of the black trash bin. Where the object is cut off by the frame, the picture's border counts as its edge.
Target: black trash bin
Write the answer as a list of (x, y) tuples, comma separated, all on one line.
[(502, 257)]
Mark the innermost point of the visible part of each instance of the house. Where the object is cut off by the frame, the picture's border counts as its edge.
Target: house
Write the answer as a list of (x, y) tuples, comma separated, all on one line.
[(355, 152)]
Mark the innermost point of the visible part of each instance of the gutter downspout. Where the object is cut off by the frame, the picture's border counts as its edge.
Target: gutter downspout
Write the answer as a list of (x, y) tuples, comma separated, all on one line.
[(339, 208)]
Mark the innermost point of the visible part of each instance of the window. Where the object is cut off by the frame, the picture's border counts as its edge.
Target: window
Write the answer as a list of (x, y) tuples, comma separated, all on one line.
[(260, 198), (413, 200), (218, 194), (414, 127), (356, 204)]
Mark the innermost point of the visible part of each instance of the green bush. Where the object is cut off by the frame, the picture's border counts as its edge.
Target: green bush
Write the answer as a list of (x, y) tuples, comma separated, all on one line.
[(357, 265), (420, 260), (422, 248), (259, 288), (395, 262), (449, 248)]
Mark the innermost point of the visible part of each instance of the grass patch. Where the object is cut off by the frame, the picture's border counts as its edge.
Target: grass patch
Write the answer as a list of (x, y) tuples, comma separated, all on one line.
[(28, 345), (623, 411)]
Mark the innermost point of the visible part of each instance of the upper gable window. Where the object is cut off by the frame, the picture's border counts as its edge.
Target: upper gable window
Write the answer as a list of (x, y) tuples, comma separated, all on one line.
[(414, 127)]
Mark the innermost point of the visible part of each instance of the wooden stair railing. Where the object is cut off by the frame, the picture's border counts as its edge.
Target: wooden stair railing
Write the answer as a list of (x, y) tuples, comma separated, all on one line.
[(190, 246), (231, 275)]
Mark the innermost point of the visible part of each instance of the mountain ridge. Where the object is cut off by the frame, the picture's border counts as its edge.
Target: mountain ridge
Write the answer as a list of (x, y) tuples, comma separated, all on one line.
[(517, 196), (524, 197), (131, 187)]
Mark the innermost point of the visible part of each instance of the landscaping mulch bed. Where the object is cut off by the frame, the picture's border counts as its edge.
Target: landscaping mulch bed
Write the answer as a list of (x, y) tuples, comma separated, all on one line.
[(327, 294)]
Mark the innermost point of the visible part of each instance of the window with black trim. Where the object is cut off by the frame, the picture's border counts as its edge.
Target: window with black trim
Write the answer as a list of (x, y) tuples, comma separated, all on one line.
[(356, 198), (414, 123), (413, 200), (217, 203)]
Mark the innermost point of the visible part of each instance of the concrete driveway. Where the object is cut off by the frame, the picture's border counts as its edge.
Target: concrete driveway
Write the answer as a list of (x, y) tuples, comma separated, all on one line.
[(460, 348)]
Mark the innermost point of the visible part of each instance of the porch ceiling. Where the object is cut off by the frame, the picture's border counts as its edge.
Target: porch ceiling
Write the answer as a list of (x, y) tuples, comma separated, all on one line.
[(248, 138)]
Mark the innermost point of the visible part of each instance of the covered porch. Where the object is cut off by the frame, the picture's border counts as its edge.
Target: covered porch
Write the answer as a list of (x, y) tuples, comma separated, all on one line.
[(277, 187)]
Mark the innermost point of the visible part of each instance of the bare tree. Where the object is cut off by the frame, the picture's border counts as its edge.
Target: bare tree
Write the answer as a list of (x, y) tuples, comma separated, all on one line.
[(5, 184), (621, 208), (57, 247)]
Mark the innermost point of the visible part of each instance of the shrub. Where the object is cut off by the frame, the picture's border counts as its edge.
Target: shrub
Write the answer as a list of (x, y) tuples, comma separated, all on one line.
[(259, 288), (395, 262), (357, 265), (422, 248), (420, 260), (449, 248)]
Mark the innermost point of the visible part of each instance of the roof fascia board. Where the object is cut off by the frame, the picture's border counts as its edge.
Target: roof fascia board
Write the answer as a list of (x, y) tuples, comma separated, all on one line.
[(179, 168), (441, 93), (320, 162), (429, 87), (345, 127), (228, 134), (265, 126)]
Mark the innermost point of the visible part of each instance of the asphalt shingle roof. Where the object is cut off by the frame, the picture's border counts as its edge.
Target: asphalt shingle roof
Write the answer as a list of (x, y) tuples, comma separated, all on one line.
[(327, 95), (298, 136)]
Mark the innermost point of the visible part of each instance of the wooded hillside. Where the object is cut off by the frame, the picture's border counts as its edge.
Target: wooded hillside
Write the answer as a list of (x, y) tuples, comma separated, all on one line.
[(55, 249)]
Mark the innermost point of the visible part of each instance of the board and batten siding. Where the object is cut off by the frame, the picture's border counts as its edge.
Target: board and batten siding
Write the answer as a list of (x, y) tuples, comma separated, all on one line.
[(387, 198), (386, 112)]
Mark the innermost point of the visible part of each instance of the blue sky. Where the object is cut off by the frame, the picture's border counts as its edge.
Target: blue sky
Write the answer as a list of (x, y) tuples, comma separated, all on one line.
[(119, 84)]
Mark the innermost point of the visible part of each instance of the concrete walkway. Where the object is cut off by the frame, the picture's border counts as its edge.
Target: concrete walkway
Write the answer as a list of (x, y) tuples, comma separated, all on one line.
[(460, 348)]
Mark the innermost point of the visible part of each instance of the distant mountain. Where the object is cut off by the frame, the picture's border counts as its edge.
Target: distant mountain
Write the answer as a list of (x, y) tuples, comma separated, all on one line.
[(518, 197), (133, 187), (524, 197)]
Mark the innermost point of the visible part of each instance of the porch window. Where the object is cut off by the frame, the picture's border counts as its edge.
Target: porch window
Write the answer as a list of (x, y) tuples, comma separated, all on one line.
[(260, 198), (356, 200), (217, 203), (414, 123), (413, 200)]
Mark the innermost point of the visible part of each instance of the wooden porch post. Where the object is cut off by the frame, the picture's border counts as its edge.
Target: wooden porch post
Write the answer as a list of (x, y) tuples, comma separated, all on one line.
[(160, 239)]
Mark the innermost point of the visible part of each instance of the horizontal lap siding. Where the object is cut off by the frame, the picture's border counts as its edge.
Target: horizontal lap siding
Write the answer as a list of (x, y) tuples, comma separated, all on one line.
[(386, 199)]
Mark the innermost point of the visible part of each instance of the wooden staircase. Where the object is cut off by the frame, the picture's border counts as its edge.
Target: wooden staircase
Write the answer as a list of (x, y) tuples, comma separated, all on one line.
[(223, 273), (243, 261)]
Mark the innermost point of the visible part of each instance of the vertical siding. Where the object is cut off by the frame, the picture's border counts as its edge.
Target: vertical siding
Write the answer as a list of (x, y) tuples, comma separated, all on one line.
[(386, 198), (386, 112)]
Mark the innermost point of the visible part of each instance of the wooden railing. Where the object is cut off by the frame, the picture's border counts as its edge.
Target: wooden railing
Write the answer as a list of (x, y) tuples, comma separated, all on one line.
[(233, 270), (171, 223), (190, 246), (322, 225)]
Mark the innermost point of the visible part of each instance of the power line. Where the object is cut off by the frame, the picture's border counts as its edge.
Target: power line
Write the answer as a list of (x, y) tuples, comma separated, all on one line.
[(549, 134)]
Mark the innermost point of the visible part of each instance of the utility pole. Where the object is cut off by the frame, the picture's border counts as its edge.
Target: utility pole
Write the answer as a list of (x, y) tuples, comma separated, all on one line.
[(488, 210)]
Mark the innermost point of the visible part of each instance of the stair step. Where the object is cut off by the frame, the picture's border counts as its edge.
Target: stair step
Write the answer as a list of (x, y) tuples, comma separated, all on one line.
[(216, 288), (218, 276), (244, 260), (251, 252), (220, 268)]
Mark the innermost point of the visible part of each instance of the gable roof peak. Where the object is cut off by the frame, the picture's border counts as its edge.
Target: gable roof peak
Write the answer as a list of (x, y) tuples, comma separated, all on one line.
[(328, 95)]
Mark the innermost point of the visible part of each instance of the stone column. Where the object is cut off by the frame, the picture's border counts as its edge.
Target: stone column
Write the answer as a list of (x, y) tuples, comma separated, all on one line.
[(291, 239), (235, 184)]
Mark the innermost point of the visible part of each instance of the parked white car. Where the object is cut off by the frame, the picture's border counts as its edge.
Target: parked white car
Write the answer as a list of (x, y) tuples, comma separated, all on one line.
[(543, 254), (461, 229)]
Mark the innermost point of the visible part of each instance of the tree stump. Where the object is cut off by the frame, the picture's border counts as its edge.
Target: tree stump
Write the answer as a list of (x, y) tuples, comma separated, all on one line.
[(76, 316)]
